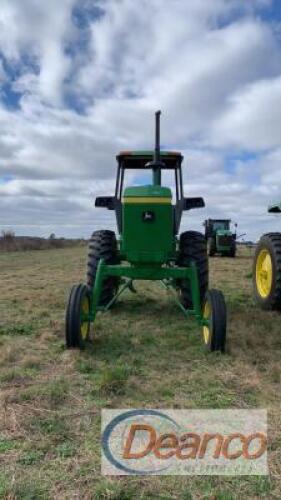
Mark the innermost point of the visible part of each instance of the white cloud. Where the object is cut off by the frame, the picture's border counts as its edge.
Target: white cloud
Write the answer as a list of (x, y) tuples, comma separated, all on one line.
[(253, 118), (38, 30)]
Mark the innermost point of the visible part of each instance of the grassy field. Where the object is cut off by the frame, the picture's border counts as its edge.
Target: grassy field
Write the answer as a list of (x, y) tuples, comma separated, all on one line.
[(145, 354)]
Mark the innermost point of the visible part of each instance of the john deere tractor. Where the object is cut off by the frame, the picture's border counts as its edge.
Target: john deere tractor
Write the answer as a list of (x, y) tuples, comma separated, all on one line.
[(267, 268), (148, 248), (220, 239)]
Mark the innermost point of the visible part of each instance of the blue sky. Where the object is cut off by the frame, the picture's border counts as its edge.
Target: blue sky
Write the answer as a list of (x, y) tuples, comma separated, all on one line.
[(270, 11), (81, 80)]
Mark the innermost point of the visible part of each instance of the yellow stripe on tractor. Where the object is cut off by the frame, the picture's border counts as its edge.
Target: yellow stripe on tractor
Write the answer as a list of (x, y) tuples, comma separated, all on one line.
[(151, 199)]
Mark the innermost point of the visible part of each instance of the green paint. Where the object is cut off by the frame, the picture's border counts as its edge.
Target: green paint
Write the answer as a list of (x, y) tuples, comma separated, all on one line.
[(167, 275), (157, 177), (146, 191), (148, 227), (221, 238), (224, 248)]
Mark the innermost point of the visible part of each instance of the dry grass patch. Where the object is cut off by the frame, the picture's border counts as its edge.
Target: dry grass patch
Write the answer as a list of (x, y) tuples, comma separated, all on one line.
[(144, 354)]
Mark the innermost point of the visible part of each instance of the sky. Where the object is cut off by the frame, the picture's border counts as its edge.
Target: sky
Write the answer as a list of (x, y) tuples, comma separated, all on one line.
[(81, 80)]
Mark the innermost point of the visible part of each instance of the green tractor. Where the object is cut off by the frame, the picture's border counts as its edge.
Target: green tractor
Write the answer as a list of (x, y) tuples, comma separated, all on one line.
[(148, 248), (220, 239), (267, 268)]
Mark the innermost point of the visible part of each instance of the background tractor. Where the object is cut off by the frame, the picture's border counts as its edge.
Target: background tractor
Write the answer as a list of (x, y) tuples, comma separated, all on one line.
[(267, 268), (220, 239), (148, 248)]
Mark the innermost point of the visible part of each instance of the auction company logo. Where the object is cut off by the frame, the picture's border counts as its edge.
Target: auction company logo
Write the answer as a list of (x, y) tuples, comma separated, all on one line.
[(147, 442)]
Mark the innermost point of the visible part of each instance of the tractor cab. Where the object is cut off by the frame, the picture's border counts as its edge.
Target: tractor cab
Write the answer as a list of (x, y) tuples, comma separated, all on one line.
[(170, 162), (147, 220), (220, 237), (274, 209), (151, 171), (213, 226)]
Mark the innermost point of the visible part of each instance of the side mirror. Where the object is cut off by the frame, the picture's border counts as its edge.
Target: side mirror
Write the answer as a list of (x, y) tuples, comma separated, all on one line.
[(189, 203), (105, 202)]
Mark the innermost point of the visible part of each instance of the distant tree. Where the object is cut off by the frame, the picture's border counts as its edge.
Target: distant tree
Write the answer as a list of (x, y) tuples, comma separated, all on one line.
[(8, 236), (52, 236)]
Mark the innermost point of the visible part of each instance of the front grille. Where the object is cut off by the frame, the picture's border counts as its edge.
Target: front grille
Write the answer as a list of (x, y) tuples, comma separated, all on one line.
[(224, 241)]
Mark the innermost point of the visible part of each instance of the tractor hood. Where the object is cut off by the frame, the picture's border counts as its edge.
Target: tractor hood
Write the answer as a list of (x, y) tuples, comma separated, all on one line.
[(223, 232), (147, 194)]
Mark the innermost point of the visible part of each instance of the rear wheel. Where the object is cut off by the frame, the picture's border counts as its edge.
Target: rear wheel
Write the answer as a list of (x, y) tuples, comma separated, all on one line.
[(77, 324), (102, 245), (267, 272), (192, 248), (211, 247), (232, 252), (214, 310)]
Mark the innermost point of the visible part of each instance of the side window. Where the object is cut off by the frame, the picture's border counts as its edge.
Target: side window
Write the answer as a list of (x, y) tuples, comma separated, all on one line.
[(171, 178)]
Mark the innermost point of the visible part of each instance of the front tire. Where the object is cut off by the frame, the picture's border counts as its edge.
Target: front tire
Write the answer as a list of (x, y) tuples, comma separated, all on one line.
[(214, 310), (267, 272), (192, 248), (77, 323)]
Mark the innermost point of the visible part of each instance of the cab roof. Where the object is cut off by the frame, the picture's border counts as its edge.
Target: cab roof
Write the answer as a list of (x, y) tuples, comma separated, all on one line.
[(138, 159), (219, 220), (274, 209)]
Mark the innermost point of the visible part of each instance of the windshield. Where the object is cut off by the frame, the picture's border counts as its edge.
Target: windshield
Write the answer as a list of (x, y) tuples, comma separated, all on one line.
[(221, 225), (127, 177)]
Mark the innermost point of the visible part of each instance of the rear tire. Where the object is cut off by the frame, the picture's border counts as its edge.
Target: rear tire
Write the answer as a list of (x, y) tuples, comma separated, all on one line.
[(267, 272), (76, 329), (211, 246), (214, 310), (192, 248), (232, 252), (102, 245)]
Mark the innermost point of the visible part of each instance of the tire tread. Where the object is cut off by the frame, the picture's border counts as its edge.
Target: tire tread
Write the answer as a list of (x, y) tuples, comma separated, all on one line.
[(193, 248), (102, 245), (271, 242)]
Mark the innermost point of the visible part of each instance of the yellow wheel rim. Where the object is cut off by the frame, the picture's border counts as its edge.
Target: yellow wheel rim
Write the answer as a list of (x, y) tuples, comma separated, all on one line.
[(85, 310), (264, 273), (206, 329)]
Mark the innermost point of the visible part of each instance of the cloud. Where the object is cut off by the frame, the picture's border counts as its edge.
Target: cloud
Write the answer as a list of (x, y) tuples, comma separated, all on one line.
[(36, 32), (80, 82), (3, 75), (253, 118)]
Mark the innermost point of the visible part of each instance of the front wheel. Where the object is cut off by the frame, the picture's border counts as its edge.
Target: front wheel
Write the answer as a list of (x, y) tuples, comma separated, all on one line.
[(77, 324), (214, 310)]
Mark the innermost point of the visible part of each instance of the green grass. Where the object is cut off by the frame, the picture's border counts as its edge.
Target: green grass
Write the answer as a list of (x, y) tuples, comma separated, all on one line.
[(114, 380), (7, 444), (144, 353), (16, 329)]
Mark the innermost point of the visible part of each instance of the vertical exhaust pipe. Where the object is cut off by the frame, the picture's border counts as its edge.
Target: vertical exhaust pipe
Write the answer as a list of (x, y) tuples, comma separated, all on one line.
[(157, 153)]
